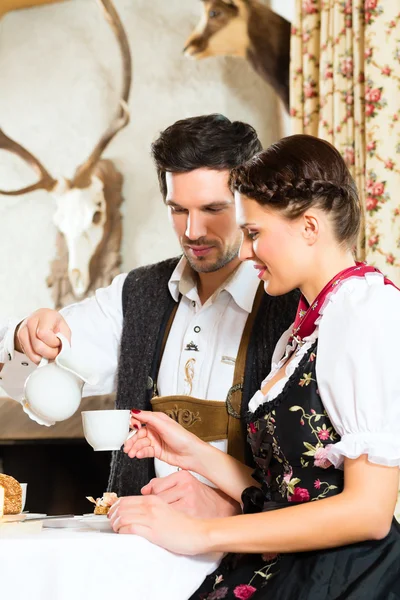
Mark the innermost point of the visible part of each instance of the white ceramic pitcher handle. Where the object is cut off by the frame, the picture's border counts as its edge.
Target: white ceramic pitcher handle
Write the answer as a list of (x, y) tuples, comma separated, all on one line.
[(64, 344), (67, 361), (64, 341)]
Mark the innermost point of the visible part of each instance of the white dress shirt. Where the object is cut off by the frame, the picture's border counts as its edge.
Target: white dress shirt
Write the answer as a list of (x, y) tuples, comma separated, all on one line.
[(215, 328), (357, 369)]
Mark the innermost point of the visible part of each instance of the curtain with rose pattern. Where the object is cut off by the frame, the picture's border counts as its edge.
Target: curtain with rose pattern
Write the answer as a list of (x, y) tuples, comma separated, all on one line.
[(345, 88)]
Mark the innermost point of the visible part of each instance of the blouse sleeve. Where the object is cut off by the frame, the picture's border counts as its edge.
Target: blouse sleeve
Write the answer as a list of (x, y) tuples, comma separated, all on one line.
[(358, 370)]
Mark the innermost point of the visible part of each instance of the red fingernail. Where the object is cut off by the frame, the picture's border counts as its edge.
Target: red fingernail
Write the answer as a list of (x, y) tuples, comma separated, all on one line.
[(135, 411), (136, 426)]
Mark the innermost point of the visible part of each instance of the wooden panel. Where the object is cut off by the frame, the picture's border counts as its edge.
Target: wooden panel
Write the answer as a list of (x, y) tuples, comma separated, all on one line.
[(7, 5), (16, 425)]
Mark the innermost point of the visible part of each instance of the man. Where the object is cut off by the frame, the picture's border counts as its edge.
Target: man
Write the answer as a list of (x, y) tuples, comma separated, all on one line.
[(169, 334)]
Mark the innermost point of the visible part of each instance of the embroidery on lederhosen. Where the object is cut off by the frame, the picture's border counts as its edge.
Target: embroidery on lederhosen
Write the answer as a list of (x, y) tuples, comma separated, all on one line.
[(185, 417), (189, 376)]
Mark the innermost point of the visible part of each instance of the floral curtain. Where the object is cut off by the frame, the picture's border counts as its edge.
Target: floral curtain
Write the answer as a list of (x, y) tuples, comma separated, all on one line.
[(345, 82), (345, 88)]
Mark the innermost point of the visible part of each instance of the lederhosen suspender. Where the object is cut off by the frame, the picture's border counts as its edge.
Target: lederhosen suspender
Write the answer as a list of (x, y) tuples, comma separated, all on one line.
[(236, 443)]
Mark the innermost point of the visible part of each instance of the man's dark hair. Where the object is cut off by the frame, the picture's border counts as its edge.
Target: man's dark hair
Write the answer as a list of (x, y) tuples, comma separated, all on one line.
[(208, 141)]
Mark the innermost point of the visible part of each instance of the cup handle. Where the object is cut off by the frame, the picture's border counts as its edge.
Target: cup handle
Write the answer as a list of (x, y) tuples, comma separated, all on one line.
[(131, 434)]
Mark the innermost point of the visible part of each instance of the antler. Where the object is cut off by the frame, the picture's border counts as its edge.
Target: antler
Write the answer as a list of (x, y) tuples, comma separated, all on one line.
[(46, 181), (83, 173)]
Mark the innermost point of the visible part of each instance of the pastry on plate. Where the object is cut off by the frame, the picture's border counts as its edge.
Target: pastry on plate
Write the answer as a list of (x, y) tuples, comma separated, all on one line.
[(10, 496), (103, 504)]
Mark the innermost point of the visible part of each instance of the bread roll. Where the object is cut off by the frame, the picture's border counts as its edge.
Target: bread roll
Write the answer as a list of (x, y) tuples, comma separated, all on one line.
[(1, 501), (12, 495), (103, 504), (101, 510)]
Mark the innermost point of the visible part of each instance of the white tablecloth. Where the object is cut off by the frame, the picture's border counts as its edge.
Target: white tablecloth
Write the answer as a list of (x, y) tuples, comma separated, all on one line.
[(65, 564)]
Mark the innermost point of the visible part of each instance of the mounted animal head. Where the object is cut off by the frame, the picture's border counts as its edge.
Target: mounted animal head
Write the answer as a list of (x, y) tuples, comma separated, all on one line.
[(221, 31), (246, 29), (9, 5), (81, 202)]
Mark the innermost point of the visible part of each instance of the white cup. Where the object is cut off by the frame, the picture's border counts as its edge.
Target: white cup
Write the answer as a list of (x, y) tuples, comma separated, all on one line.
[(23, 486), (106, 429)]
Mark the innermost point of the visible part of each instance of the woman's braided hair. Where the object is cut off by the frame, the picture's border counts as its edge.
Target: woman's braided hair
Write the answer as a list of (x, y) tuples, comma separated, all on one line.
[(299, 172)]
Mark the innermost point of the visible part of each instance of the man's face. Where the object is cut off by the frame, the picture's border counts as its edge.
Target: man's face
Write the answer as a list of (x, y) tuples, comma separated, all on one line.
[(202, 212)]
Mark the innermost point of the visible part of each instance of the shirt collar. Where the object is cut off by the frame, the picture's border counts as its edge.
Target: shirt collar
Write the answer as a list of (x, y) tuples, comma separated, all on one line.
[(241, 285)]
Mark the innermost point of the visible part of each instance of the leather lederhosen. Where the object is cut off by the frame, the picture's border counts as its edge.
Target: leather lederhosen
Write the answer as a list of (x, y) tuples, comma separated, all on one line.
[(212, 420)]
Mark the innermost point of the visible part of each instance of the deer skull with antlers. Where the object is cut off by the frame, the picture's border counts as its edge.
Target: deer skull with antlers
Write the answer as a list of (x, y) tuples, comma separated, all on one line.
[(83, 203)]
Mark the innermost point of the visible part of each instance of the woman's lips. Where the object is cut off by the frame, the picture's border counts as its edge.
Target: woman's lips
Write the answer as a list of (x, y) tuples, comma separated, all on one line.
[(261, 270)]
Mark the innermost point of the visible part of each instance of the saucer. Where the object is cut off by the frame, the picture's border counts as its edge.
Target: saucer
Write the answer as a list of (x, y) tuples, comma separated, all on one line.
[(30, 515), (97, 522)]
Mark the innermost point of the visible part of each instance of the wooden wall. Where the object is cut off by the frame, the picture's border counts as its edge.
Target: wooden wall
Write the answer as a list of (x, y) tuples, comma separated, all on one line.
[(15, 425)]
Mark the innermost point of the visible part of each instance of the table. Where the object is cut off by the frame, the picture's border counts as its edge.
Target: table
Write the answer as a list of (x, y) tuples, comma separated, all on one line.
[(69, 564)]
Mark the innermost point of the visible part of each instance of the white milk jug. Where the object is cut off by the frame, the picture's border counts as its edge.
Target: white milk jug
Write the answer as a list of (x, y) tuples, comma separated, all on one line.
[(53, 391)]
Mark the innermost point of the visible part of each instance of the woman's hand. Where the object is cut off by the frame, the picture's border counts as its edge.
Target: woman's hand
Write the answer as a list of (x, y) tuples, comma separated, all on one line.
[(159, 436), (152, 518)]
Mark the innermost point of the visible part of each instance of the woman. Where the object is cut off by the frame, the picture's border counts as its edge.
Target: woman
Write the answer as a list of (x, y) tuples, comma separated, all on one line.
[(323, 428)]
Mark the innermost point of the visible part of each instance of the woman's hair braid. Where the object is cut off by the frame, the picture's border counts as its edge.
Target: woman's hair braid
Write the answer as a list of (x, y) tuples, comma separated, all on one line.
[(300, 172)]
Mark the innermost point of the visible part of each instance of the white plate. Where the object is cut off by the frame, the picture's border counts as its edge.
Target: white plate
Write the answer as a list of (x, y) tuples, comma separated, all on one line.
[(12, 518), (34, 515), (97, 522), (63, 523)]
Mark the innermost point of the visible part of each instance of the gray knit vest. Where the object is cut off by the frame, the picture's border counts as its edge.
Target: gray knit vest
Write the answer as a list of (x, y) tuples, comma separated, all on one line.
[(147, 304)]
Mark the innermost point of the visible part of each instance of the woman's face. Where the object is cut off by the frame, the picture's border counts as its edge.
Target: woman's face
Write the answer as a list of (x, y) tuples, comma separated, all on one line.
[(281, 249)]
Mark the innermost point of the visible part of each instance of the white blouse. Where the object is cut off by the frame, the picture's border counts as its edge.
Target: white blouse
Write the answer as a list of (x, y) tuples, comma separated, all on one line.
[(357, 369)]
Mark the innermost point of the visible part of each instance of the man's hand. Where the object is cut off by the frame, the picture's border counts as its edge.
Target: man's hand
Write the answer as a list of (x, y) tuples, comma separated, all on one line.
[(36, 335), (187, 494)]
